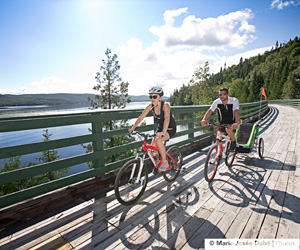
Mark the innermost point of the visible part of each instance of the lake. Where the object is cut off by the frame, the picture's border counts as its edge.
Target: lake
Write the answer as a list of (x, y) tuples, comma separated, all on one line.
[(36, 135)]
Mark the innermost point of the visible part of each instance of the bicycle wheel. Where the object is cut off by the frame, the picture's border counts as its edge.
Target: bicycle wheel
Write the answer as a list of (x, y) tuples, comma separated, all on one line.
[(172, 173), (211, 163), (229, 158), (128, 189), (261, 147)]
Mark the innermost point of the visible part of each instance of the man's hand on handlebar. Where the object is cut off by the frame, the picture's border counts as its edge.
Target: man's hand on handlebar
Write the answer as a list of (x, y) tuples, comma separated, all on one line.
[(235, 125), (204, 122)]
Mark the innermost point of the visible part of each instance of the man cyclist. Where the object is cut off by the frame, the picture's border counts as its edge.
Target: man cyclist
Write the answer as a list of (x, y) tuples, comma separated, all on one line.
[(166, 123), (228, 111)]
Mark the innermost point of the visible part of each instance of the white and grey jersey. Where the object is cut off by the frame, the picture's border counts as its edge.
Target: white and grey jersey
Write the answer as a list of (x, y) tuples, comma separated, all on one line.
[(226, 112)]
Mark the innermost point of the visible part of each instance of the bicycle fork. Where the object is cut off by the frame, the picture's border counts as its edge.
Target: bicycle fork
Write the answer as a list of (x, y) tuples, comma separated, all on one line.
[(222, 148), (138, 178)]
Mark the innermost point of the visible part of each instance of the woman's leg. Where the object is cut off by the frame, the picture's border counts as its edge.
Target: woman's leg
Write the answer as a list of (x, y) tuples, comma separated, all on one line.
[(159, 143)]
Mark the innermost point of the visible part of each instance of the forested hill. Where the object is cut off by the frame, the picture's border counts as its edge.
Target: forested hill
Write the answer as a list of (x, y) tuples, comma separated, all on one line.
[(54, 99), (278, 71)]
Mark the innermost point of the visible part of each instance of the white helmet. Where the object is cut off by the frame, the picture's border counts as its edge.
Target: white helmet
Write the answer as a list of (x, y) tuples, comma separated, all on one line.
[(156, 90)]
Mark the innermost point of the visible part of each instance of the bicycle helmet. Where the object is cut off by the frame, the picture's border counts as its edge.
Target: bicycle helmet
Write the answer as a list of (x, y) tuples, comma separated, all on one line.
[(156, 90)]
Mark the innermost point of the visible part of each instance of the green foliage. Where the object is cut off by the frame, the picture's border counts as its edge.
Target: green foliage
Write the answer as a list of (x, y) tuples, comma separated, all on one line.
[(200, 89), (278, 71), (44, 99), (49, 156), (113, 94), (113, 91), (14, 163)]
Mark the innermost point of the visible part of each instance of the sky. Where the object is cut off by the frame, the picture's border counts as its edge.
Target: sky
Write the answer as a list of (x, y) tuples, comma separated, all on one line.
[(57, 46)]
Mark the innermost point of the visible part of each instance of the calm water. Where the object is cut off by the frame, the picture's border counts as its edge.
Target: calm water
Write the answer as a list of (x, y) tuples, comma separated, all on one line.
[(36, 135)]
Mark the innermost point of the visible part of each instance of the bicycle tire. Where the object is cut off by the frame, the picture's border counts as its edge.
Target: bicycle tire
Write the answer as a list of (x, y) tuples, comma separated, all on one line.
[(171, 174), (211, 163), (261, 148), (230, 158), (127, 191)]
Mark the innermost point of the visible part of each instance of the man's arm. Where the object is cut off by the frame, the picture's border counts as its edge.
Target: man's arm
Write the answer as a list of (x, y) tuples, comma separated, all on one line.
[(206, 116), (237, 119)]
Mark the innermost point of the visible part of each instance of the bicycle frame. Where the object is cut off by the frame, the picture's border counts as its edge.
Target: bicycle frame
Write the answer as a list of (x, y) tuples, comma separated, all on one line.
[(222, 146), (218, 151), (146, 148), (132, 179)]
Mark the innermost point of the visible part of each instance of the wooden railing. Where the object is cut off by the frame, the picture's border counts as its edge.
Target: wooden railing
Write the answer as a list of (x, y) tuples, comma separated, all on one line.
[(290, 102), (190, 116)]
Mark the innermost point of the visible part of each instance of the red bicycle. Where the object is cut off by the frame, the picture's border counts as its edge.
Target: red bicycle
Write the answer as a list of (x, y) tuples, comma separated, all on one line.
[(132, 178), (217, 151)]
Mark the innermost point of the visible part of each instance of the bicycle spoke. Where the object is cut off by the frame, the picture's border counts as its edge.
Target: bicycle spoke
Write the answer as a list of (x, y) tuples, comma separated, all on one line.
[(211, 164), (175, 163), (131, 182), (230, 158)]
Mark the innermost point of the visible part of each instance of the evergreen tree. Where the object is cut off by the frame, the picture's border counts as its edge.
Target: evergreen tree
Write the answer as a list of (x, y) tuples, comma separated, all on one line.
[(113, 93), (291, 89), (14, 163), (203, 91), (49, 156), (276, 70)]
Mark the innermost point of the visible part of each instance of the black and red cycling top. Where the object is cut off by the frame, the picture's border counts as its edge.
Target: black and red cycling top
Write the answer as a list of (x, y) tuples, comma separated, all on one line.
[(226, 112), (161, 119)]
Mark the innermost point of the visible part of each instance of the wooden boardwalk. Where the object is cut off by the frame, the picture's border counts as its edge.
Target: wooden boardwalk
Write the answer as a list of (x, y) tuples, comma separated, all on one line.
[(254, 199)]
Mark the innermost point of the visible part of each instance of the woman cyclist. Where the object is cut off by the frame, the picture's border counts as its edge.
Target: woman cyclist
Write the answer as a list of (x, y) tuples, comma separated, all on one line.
[(166, 123)]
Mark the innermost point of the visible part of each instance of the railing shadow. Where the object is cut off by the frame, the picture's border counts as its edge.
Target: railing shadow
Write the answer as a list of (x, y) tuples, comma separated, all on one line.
[(267, 120), (103, 222), (159, 217), (249, 187), (37, 234)]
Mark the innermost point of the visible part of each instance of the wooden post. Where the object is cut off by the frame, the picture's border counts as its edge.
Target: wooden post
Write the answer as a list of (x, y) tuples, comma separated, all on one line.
[(191, 125), (98, 145)]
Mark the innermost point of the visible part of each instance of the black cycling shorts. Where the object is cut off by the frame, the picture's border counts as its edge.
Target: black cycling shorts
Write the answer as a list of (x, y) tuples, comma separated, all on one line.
[(171, 131)]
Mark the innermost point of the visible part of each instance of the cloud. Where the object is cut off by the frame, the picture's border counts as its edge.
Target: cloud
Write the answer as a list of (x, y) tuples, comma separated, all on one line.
[(170, 14), (232, 30), (52, 84), (172, 59), (18, 91), (169, 70), (279, 4)]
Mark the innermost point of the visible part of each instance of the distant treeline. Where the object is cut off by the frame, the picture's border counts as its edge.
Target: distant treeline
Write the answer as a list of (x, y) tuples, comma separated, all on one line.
[(278, 71), (54, 99)]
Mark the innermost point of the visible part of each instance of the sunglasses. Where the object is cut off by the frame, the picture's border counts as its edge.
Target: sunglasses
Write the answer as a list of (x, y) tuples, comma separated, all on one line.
[(222, 94), (153, 96)]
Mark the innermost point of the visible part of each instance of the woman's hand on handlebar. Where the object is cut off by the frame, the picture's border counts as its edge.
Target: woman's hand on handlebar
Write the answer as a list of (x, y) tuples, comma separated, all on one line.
[(130, 130)]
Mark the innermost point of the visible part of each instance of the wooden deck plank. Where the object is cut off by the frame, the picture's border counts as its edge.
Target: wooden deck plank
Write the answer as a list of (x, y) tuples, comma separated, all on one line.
[(184, 200), (197, 240), (264, 195), (273, 215), (249, 183), (40, 232), (289, 226), (116, 218)]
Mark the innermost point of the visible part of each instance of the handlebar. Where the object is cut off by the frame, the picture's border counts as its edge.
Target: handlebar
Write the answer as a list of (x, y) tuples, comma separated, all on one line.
[(145, 136)]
